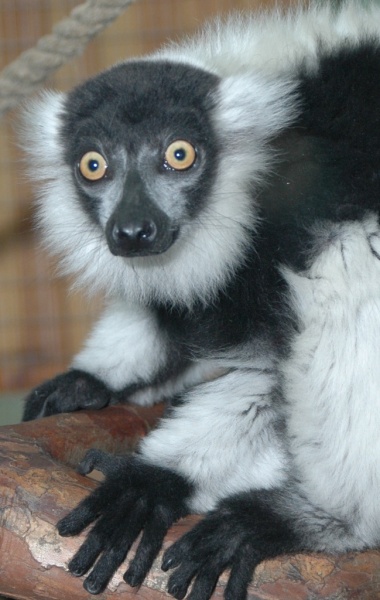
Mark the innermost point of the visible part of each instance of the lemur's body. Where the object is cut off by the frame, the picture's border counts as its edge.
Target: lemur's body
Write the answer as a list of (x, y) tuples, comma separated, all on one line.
[(225, 194)]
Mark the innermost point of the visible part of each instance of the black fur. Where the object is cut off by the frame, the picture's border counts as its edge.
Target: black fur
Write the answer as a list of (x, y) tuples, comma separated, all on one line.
[(152, 497), (242, 532), (67, 392), (329, 160)]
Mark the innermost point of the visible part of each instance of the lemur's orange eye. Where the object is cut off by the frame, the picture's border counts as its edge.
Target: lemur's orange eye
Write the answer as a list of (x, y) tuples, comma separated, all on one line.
[(93, 166), (180, 155)]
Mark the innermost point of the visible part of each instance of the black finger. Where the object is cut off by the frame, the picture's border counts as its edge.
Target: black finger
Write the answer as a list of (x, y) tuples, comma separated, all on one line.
[(86, 556), (96, 542), (35, 402), (183, 548), (104, 569), (115, 547), (180, 580), (241, 573), (151, 541), (174, 555), (86, 512), (206, 580), (94, 459)]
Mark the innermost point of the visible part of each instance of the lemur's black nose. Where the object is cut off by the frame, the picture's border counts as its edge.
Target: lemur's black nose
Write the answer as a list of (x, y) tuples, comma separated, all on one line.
[(135, 236)]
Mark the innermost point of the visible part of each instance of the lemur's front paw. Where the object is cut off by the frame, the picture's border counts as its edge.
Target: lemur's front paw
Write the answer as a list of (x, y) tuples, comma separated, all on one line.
[(134, 497), (238, 535), (70, 391)]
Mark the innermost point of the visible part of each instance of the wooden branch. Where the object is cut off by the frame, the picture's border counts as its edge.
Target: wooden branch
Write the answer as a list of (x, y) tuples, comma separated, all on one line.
[(38, 486)]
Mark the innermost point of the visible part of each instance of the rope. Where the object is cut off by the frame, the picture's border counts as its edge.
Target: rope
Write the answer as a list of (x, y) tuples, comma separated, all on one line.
[(68, 39)]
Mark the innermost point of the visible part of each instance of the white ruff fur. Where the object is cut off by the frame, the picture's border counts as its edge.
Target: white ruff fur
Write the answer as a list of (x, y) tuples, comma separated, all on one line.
[(332, 379), (274, 42)]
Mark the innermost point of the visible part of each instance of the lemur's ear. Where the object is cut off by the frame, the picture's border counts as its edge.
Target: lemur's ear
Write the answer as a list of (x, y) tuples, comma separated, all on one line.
[(254, 105), (39, 131)]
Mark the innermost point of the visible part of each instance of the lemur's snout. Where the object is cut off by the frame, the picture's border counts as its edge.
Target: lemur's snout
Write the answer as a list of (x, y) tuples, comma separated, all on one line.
[(136, 232), (135, 236)]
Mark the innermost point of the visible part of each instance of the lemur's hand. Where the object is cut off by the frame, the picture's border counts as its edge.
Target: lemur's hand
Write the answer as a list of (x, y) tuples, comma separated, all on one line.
[(70, 391), (242, 532), (134, 497)]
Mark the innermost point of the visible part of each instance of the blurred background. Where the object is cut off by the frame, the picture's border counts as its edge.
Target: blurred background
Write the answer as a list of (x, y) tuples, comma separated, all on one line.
[(42, 322)]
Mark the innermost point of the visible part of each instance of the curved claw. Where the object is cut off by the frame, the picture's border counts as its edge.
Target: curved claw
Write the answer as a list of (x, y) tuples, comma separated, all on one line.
[(171, 558)]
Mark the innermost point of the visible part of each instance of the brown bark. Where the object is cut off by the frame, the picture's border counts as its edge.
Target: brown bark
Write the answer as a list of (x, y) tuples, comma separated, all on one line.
[(38, 486)]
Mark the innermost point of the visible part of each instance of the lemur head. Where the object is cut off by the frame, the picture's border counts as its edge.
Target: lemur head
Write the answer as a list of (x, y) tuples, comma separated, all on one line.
[(149, 174)]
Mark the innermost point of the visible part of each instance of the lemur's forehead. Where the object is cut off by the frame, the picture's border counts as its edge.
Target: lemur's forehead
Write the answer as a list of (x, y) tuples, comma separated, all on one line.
[(141, 102), (137, 90)]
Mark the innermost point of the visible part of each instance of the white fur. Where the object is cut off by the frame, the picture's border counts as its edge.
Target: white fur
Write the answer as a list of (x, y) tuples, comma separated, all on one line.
[(239, 408), (39, 129), (124, 348), (275, 42), (332, 379), (252, 109), (196, 373)]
